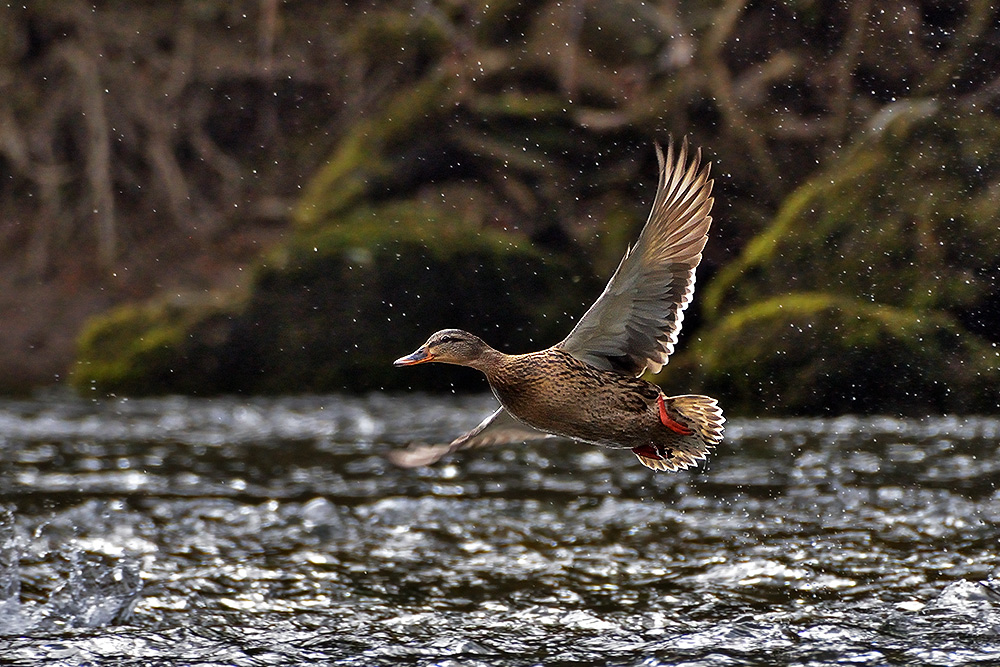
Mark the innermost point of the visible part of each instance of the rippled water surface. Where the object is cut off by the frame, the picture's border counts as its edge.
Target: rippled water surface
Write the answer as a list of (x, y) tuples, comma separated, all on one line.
[(265, 532)]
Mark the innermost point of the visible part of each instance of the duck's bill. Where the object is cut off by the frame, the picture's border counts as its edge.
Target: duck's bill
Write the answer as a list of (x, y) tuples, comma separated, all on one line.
[(418, 357)]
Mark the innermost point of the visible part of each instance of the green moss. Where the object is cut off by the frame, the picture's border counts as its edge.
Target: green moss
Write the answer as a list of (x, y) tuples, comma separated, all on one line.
[(369, 227), (528, 105), (822, 353), (767, 248), (413, 35), (884, 221), (856, 297), (334, 307), (362, 160), (345, 301), (153, 348)]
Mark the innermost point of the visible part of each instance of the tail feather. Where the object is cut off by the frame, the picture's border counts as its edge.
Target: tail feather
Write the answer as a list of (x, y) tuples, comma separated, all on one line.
[(703, 416), (706, 414)]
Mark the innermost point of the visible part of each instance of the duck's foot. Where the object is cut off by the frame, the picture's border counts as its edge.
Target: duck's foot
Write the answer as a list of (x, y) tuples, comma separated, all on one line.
[(668, 421), (656, 457), (654, 452)]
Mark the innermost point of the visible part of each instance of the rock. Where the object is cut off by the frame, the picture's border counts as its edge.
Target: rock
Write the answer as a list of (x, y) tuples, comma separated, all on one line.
[(866, 292), (333, 308)]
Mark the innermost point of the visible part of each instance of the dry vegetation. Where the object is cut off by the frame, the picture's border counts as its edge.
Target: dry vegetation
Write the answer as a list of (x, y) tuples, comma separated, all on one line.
[(156, 147)]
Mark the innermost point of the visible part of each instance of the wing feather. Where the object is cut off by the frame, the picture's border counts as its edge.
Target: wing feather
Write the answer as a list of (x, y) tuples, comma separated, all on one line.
[(500, 428), (633, 325)]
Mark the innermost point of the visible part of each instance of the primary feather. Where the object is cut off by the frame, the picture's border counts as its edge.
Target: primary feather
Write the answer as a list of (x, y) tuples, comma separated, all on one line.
[(633, 325)]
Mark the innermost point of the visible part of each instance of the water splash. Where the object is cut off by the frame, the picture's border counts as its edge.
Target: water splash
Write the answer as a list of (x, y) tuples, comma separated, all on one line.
[(90, 589), (10, 580)]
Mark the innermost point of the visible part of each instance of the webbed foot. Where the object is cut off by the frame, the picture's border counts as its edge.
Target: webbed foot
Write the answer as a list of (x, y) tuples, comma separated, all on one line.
[(668, 421)]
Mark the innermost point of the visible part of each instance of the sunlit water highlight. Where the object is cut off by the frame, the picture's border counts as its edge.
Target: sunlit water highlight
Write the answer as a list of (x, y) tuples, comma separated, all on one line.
[(263, 531)]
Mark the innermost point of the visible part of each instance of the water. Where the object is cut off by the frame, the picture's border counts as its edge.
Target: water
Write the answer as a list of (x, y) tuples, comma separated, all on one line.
[(268, 532)]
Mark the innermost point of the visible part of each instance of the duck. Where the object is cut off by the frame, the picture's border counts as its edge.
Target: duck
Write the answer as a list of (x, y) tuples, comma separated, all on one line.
[(589, 387)]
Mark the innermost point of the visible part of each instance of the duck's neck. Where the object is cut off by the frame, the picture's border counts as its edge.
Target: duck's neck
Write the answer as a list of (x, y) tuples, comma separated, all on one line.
[(488, 361)]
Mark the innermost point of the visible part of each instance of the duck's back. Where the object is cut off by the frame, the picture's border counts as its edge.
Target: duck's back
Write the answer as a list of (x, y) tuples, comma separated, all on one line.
[(555, 392)]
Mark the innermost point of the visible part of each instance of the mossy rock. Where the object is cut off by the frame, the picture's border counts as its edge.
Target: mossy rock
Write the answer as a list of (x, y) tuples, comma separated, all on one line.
[(164, 346), (355, 297), (868, 291), (331, 311), (829, 354)]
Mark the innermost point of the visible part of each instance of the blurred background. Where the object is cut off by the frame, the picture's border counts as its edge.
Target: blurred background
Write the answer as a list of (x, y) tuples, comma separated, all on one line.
[(209, 197)]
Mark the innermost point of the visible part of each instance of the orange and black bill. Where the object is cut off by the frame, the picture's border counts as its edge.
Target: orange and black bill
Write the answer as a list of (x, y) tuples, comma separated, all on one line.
[(418, 357)]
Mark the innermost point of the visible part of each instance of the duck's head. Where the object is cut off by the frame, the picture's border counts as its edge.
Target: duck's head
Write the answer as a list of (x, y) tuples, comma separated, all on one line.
[(448, 346)]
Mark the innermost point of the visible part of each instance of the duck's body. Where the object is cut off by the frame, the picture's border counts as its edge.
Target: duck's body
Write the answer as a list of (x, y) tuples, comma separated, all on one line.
[(587, 386), (556, 393)]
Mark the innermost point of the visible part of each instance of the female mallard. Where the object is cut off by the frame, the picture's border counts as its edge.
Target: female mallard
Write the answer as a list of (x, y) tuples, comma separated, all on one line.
[(587, 387)]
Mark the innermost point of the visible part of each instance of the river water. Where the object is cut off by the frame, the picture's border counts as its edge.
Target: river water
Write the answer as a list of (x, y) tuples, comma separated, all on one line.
[(273, 531)]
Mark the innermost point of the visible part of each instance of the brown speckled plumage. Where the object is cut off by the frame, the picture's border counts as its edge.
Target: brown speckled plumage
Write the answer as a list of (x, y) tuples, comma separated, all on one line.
[(556, 393), (587, 386)]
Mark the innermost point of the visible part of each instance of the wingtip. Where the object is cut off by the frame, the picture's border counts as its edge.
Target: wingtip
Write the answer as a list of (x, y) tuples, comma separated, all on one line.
[(682, 152), (417, 455), (661, 160)]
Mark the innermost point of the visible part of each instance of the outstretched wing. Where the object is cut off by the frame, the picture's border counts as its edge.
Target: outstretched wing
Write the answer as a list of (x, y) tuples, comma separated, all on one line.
[(500, 428), (633, 326)]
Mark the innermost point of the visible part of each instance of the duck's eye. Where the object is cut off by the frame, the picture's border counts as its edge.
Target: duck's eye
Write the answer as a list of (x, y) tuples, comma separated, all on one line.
[(449, 339)]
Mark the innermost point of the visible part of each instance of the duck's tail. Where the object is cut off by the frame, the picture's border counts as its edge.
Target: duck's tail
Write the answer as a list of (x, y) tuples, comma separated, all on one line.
[(704, 412), (693, 427)]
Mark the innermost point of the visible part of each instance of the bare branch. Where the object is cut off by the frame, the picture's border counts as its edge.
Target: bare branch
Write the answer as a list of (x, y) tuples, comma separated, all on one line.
[(97, 151)]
